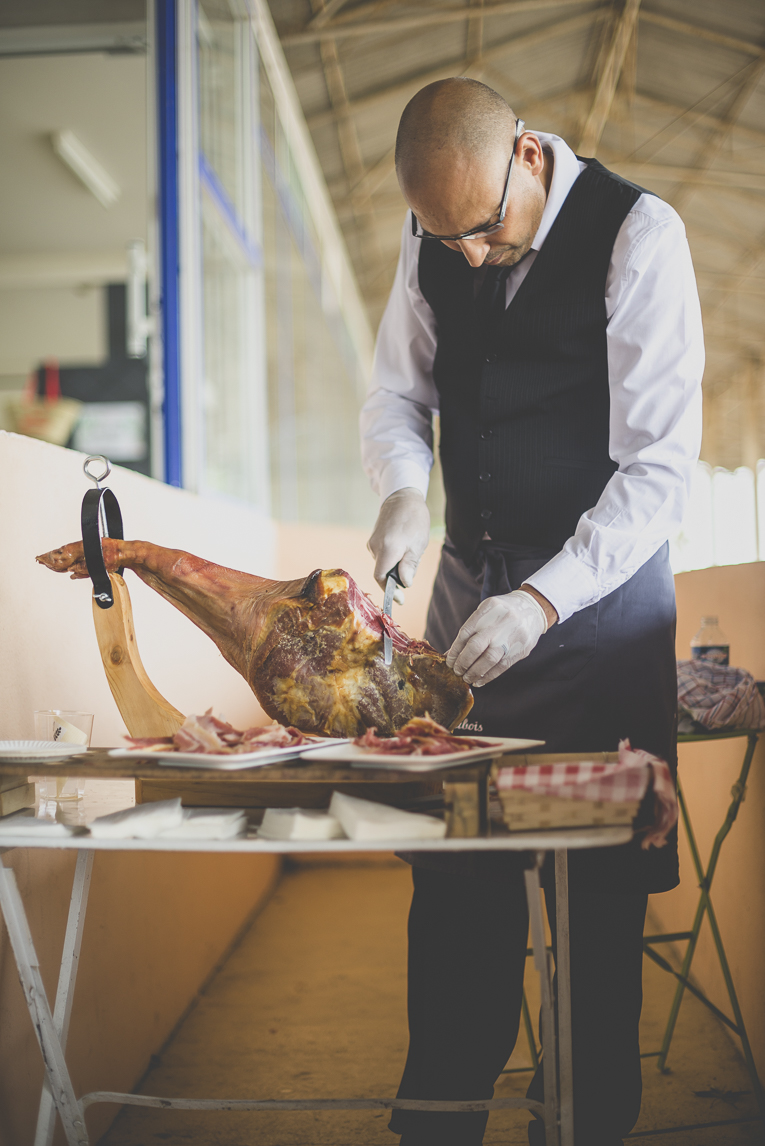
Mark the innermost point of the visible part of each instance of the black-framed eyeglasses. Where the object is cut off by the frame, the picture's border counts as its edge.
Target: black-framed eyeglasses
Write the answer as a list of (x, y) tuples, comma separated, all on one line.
[(485, 228)]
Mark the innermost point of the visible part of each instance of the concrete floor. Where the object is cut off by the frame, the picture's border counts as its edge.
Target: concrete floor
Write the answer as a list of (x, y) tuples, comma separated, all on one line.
[(311, 1003)]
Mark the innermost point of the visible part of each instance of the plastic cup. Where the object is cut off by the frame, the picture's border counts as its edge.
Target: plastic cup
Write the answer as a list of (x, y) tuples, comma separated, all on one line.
[(63, 726)]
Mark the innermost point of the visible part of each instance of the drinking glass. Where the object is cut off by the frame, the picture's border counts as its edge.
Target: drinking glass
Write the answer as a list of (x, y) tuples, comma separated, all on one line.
[(64, 727)]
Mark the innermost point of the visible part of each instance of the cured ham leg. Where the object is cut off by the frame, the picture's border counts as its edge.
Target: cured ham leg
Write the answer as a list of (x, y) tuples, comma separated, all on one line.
[(311, 650)]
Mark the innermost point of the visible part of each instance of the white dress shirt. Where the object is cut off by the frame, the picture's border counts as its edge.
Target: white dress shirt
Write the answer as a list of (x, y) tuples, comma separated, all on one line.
[(655, 347)]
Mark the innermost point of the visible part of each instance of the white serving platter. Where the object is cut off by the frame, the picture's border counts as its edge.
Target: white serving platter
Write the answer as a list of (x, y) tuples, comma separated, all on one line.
[(227, 762), (346, 752), (38, 751)]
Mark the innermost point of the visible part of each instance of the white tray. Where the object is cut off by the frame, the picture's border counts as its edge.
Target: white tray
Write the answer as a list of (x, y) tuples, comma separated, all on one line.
[(224, 763), (345, 752), (37, 751)]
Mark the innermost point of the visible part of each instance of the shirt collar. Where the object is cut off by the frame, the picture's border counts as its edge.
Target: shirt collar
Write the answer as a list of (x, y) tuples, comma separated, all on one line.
[(566, 171)]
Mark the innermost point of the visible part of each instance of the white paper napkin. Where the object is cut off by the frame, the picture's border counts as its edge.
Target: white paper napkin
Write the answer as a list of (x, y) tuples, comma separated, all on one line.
[(365, 820), (299, 824), (33, 825), (64, 732), (143, 822), (209, 824)]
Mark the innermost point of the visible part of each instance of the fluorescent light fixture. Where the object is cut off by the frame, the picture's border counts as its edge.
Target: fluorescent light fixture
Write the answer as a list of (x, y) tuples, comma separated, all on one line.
[(86, 167)]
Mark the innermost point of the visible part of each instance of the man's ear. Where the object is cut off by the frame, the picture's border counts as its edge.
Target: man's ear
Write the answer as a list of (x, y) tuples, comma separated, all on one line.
[(531, 153)]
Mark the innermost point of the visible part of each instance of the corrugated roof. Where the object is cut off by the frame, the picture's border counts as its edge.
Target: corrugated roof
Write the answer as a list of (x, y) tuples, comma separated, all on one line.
[(687, 121)]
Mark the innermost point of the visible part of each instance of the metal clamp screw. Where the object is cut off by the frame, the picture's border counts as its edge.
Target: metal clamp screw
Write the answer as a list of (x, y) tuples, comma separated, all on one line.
[(107, 469)]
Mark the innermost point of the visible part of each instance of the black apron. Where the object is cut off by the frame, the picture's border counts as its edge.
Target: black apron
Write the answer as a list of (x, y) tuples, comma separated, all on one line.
[(605, 674)]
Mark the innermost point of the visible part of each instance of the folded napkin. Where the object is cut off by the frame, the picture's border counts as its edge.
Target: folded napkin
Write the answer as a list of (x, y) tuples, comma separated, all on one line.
[(588, 780), (208, 824), (299, 824), (365, 820), (66, 733), (33, 825), (166, 819), (143, 822)]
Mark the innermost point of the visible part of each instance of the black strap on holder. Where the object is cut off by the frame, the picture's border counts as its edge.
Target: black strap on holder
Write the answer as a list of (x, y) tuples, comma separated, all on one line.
[(90, 517)]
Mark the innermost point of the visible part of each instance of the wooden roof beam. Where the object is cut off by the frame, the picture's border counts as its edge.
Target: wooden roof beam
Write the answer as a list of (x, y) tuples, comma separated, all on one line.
[(726, 180), (613, 63), (459, 68), (705, 118), (373, 177), (474, 37), (706, 282), (685, 29), (712, 148), (406, 87), (747, 265), (350, 25), (697, 176), (365, 11), (325, 14), (348, 138), (426, 17)]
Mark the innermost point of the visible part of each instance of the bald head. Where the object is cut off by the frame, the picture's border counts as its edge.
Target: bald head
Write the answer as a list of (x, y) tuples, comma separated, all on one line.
[(453, 160), (455, 120)]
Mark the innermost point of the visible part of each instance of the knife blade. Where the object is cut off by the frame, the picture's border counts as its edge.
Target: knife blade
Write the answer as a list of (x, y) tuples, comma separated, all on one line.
[(391, 581)]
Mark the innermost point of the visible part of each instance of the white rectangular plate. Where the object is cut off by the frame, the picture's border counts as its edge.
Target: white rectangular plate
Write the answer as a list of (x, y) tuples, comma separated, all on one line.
[(225, 763), (346, 752)]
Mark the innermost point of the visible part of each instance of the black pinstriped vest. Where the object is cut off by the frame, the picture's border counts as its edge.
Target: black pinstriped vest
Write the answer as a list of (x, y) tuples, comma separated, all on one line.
[(525, 416)]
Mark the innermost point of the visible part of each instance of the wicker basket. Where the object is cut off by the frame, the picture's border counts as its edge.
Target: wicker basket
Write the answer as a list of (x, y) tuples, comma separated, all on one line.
[(527, 811)]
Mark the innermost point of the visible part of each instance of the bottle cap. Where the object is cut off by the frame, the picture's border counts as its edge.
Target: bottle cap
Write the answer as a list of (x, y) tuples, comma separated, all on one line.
[(708, 621)]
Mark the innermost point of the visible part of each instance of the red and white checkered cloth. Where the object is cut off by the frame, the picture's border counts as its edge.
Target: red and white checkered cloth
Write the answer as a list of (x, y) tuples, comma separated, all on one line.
[(588, 780)]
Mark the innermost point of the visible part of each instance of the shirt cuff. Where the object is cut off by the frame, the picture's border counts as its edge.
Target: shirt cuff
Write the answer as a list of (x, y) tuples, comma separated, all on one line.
[(400, 475), (567, 584)]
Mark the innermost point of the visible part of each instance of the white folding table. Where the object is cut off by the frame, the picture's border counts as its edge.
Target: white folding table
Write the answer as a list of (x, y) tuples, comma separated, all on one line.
[(51, 1025)]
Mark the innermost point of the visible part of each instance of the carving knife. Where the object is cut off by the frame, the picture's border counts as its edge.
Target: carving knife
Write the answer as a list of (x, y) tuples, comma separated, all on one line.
[(391, 581)]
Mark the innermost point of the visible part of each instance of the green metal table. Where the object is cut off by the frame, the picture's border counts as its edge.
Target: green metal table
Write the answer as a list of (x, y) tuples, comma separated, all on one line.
[(705, 908)]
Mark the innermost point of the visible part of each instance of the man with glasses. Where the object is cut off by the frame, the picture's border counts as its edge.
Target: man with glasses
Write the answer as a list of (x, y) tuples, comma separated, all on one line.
[(546, 310)]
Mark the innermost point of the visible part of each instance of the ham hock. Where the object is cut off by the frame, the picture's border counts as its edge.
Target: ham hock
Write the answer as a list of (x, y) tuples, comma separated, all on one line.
[(311, 649)]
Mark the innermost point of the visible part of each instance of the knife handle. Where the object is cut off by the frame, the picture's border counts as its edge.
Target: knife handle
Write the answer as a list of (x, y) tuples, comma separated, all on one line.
[(394, 573)]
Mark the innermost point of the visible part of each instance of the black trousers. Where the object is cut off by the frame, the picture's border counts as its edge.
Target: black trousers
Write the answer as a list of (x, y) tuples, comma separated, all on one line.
[(467, 952)]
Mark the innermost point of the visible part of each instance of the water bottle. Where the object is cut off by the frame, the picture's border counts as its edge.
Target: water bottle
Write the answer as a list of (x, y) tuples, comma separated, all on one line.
[(710, 644)]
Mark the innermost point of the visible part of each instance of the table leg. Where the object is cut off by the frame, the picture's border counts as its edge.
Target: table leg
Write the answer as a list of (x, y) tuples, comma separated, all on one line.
[(70, 1111), (704, 907), (563, 970), (46, 1118), (543, 964)]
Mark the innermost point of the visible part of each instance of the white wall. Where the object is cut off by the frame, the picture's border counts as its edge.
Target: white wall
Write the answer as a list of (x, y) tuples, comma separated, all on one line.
[(102, 99), (50, 658), (58, 243), (66, 323)]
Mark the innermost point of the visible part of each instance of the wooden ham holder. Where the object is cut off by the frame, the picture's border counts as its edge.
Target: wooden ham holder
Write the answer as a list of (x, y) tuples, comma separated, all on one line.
[(142, 706)]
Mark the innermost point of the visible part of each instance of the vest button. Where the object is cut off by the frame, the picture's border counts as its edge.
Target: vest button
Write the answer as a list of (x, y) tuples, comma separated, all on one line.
[(485, 434), (486, 514), (484, 476), (491, 357)]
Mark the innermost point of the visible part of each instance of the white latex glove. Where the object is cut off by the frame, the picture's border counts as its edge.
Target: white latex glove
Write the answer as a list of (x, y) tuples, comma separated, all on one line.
[(500, 632), (400, 537)]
